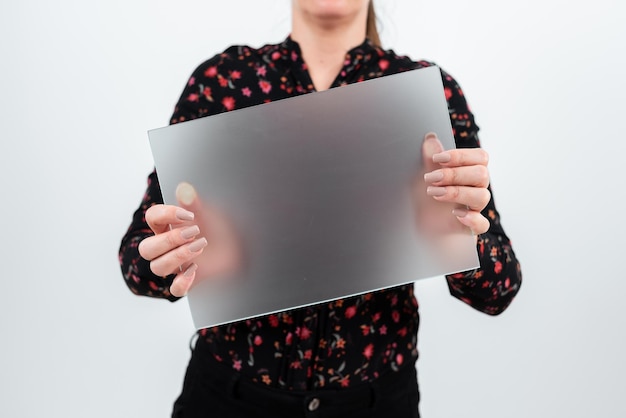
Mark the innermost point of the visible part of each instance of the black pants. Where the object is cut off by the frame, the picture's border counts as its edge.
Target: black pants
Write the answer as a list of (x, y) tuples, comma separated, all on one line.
[(212, 389)]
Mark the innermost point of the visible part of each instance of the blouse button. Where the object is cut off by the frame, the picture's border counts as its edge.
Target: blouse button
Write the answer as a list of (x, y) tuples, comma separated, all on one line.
[(314, 404)]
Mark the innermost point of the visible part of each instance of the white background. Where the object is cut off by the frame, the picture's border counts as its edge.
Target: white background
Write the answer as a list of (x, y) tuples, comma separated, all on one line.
[(82, 81)]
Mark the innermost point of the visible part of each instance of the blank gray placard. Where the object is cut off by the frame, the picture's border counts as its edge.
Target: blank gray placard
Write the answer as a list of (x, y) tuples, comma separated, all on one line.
[(319, 191)]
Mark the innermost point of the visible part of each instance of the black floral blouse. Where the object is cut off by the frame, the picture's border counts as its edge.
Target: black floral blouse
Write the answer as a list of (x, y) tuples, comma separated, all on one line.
[(346, 341)]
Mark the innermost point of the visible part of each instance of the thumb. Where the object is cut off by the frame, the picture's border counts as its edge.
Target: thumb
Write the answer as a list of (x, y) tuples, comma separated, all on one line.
[(187, 197), (430, 147)]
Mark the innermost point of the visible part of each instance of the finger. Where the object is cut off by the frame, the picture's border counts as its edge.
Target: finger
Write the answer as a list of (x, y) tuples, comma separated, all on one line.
[(183, 281), (474, 220), (430, 147), (160, 217), (171, 261), (473, 197), (157, 245), (462, 157), (475, 175)]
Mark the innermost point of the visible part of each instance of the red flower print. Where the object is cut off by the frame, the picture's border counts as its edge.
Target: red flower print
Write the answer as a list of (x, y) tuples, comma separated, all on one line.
[(368, 351), (207, 94), (265, 86), (266, 379), (275, 55), (341, 343), (507, 283), (383, 330), (237, 365), (350, 312), (246, 92), (235, 75), (365, 329), (193, 97), (304, 333), (261, 71), (395, 315), (345, 382), (211, 71), (498, 267), (273, 320), (308, 354), (295, 364), (399, 359), (191, 81), (289, 339), (223, 82), (448, 93), (258, 340), (402, 332), (229, 103), (383, 64)]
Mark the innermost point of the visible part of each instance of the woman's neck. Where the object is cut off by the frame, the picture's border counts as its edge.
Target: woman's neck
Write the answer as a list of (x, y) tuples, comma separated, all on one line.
[(324, 44)]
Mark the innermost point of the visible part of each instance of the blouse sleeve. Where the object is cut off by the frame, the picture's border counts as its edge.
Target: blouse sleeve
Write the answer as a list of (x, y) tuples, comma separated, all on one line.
[(193, 103), (492, 287)]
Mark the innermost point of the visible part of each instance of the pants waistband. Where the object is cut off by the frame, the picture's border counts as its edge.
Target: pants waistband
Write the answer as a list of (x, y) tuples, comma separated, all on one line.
[(228, 382)]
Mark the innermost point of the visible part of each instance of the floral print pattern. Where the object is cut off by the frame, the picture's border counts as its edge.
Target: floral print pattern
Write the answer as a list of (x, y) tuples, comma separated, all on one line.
[(346, 341)]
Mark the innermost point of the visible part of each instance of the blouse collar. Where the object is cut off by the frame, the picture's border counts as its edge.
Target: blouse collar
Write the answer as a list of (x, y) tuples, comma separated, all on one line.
[(290, 50)]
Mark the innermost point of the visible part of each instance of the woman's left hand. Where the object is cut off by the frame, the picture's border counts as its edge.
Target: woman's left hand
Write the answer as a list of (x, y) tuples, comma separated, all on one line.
[(458, 176)]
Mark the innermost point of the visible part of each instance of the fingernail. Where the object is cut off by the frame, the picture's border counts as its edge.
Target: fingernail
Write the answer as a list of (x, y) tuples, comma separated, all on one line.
[(442, 157), (197, 245), (430, 135), (184, 215), (433, 176), (190, 270), (190, 232), (459, 213), (435, 191), (186, 193), (432, 145)]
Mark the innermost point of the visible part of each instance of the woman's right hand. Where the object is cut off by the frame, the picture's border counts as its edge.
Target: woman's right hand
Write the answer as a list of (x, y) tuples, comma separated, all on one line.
[(192, 239), (176, 241)]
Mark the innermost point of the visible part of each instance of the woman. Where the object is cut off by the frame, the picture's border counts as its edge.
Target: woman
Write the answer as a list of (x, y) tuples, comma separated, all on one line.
[(350, 357)]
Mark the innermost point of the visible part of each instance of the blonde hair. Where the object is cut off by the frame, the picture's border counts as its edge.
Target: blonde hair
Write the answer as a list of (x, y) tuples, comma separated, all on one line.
[(372, 28)]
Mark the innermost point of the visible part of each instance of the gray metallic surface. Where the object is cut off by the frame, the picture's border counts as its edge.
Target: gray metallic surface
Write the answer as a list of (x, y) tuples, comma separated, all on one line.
[(318, 190)]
